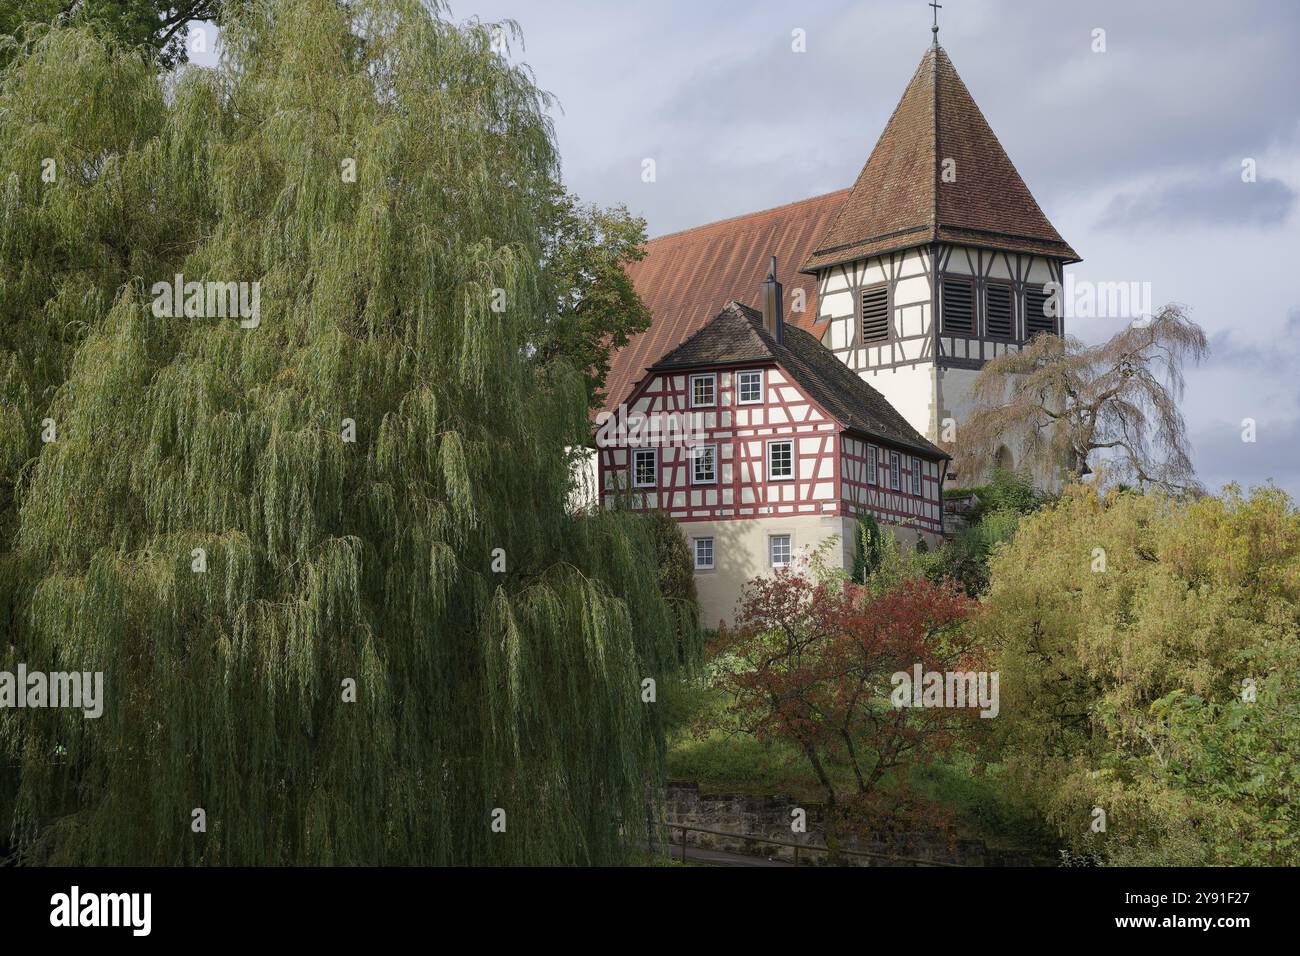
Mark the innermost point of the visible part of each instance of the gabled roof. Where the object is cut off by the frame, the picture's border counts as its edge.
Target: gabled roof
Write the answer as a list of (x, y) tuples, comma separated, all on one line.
[(736, 336), (686, 277), (899, 199)]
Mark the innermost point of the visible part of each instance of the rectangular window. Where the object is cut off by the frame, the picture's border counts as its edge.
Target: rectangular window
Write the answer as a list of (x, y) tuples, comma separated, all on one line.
[(704, 390), (645, 463), (780, 460), (895, 481), (958, 306), (916, 476), (749, 388), (997, 301), (703, 554), (875, 314), (1040, 309), (704, 464), (871, 465), (778, 547)]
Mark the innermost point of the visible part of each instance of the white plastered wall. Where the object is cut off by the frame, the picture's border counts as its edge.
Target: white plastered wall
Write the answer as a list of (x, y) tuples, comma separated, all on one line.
[(740, 553)]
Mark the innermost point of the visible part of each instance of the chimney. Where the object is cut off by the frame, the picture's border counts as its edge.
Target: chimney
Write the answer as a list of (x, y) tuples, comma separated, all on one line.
[(773, 303)]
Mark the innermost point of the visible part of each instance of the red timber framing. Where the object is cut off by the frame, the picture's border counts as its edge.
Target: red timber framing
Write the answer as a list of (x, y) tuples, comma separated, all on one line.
[(827, 468), (879, 498)]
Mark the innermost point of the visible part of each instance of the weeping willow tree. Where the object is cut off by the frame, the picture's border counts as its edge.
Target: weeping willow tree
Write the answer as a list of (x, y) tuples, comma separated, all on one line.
[(321, 553), (1064, 404)]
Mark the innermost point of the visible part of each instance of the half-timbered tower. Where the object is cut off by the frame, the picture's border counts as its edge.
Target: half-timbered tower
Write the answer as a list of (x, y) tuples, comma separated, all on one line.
[(782, 447), (939, 258)]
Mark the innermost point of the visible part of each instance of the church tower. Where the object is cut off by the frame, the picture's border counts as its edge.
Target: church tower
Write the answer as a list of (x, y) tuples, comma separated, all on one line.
[(937, 260)]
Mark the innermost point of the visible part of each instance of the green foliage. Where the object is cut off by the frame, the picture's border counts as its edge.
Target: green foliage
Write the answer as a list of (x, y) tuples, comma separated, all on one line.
[(880, 563), (154, 27), (327, 560), (870, 549), (591, 306), (675, 575), (68, 245), (676, 571), (1007, 492), (722, 762), (1122, 673), (981, 805), (997, 512)]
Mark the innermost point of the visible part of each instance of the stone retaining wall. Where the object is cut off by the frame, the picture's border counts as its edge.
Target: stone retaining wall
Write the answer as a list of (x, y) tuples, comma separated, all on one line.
[(770, 816)]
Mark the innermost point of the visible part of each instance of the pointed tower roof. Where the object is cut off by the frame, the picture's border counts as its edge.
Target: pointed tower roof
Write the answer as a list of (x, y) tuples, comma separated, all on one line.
[(899, 200)]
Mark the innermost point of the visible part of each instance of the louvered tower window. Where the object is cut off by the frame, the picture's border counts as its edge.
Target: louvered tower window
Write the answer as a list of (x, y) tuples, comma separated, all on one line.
[(875, 314), (998, 301), (1037, 321), (958, 306)]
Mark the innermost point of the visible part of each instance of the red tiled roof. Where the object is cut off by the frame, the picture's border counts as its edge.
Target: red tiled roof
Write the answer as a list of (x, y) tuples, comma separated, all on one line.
[(899, 199), (687, 277)]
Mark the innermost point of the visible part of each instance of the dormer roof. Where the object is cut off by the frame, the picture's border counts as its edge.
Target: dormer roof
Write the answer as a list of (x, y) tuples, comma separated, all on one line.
[(735, 336)]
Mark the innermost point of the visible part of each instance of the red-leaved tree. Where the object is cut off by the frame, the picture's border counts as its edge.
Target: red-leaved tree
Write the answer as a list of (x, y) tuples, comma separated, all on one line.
[(811, 663)]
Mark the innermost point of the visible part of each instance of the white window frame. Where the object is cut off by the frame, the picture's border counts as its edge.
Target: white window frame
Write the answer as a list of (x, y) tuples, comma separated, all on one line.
[(917, 486), (771, 555), (696, 448), (695, 553), (768, 463), (873, 465), (895, 471), (740, 392), (654, 467), (712, 377)]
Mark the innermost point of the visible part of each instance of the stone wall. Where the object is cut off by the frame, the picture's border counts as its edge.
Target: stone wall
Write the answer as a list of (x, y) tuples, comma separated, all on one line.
[(770, 817)]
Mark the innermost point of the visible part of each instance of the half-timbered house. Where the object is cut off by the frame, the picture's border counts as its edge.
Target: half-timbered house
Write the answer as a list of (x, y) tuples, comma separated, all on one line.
[(763, 446)]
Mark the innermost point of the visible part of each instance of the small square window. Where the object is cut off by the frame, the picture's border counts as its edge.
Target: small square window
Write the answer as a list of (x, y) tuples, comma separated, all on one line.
[(916, 476), (749, 388), (778, 547), (644, 465), (894, 477), (703, 554), (780, 460), (704, 464), (704, 390)]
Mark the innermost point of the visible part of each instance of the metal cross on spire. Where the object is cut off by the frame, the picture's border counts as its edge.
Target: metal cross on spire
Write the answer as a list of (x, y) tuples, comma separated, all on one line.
[(935, 29)]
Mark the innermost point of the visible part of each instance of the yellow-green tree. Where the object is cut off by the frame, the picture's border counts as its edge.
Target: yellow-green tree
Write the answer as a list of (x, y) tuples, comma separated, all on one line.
[(1150, 661)]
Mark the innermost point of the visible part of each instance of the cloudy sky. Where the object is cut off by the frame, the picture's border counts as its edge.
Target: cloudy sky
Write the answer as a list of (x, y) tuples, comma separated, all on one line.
[(1135, 153)]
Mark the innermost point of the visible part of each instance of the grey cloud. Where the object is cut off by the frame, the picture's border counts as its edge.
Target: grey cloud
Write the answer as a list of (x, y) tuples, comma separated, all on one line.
[(1180, 86), (1222, 200), (1220, 455), (1280, 357)]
